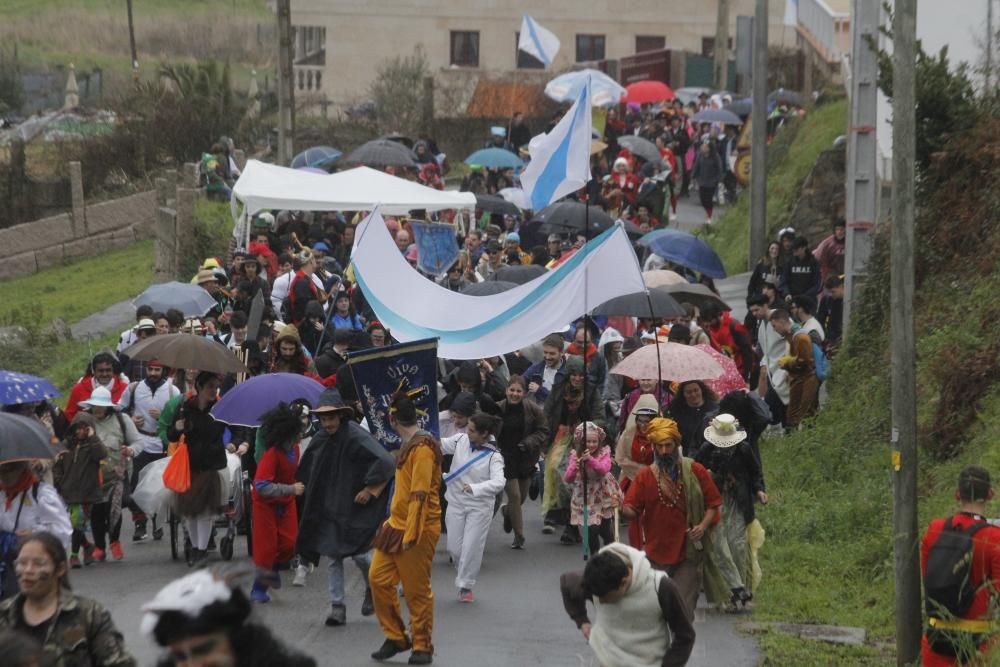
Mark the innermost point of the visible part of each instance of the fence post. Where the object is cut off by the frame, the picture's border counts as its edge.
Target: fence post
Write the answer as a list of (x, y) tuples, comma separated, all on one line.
[(165, 244), (184, 234), (76, 193), (190, 175)]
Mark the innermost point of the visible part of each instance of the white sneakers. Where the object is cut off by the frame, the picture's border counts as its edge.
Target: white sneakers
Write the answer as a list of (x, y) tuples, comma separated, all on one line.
[(300, 575)]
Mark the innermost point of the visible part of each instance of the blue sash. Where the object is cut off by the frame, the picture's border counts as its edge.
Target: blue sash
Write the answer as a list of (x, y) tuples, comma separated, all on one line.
[(483, 454)]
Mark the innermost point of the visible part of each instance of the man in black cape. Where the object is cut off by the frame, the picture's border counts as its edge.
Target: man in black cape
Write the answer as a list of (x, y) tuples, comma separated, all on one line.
[(345, 471)]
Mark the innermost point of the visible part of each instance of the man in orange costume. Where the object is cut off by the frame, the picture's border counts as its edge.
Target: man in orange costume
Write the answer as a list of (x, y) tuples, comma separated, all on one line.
[(405, 544)]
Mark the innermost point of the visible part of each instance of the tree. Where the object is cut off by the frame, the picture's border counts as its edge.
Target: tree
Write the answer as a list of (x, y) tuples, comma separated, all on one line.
[(398, 92), (946, 99)]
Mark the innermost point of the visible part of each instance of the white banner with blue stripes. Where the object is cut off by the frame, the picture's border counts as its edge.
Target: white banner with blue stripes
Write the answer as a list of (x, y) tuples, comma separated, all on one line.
[(473, 327)]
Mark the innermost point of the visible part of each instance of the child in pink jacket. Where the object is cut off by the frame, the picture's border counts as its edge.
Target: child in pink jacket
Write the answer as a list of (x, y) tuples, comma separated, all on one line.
[(603, 493)]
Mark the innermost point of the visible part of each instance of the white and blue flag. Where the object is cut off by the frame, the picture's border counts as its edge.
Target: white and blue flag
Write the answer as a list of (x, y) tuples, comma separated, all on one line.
[(537, 41), (560, 160)]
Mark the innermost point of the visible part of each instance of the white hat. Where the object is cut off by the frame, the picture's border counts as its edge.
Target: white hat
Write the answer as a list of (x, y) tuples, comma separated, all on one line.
[(99, 398), (145, 323), (725, 431)]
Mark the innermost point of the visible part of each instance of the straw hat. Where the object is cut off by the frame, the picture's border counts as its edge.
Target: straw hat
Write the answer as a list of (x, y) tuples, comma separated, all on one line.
[(724, 432), (206, 276)]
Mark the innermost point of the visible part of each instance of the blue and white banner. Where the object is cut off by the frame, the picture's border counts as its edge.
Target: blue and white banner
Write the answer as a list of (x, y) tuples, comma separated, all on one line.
[(537, 41), (560, 160), (437, 248), (473, 327), (378, 373)]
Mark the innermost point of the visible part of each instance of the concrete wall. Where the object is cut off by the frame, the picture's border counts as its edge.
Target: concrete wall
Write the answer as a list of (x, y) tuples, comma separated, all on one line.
[(88, 230), (361, 34)]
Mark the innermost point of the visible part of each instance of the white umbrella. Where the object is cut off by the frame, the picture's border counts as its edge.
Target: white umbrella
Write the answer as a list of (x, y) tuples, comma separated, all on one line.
[(605, 91)]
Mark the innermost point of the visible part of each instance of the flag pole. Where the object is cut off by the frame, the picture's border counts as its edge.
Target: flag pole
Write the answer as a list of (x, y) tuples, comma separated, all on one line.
[(586, 331)]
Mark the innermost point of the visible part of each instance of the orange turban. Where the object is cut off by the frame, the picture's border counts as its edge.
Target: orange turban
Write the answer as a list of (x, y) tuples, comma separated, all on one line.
[(661, 429)]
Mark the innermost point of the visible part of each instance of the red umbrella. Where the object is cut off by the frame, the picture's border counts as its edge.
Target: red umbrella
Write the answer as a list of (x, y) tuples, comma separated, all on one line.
[(730, 380), (642, 92)]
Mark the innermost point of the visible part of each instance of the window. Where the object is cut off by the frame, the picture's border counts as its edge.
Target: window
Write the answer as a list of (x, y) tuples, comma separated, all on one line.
[(708, 46), (650, 43), (525, 60), (465, 48), (589, 47)]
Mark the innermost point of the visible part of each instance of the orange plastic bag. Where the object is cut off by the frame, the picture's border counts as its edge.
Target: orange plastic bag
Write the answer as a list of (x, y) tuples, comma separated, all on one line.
[(177, 474)]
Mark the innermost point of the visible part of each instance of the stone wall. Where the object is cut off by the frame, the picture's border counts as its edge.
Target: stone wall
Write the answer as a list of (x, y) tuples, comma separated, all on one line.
[(88, 230), (821, 200)]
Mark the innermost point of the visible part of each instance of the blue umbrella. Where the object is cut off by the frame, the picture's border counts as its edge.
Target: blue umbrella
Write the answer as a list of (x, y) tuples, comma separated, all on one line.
[(244, 404), (317, 156), (687, 250), (495, 158), (18, 388), (604, 91)]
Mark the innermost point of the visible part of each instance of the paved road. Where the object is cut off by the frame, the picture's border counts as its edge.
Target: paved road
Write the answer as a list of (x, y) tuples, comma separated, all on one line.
[(517, 618)]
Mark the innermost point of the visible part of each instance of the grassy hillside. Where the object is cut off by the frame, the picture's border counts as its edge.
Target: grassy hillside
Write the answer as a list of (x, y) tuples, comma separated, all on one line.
[(828, 557), (94, 33), (791, 155)]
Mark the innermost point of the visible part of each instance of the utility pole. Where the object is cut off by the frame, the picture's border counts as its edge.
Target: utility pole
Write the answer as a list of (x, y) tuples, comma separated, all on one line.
[(862, 153), (131, 41), (286, 84), (989, 46), (904, 384), (722, 46), (758, 138)]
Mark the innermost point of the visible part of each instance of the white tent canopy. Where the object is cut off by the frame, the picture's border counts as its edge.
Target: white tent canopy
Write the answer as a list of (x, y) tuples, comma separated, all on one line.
[(266, 186)]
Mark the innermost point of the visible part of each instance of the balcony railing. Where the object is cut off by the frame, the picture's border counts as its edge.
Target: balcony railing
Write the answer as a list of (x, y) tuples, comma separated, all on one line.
[(309, 78), (827, 30)]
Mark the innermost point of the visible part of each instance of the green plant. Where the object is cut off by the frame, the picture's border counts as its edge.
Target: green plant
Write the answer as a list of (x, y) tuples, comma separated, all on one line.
[(398, 92)]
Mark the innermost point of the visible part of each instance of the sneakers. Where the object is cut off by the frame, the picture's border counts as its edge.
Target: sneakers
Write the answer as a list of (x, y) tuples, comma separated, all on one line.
[(98, 555), (507, 525), (465, 595), (300, 576), (74, 562), (338, 616), (569, 535), (673, 217), (420, 658), (548, 529), (139, 535), (258, 593), (199, 558), (116, 551), (368, 606), (518, 543), (88, 554), (389, 649)]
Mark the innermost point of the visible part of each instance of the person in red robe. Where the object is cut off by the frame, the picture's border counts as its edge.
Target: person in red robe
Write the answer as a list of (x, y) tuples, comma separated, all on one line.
[(275, 516)]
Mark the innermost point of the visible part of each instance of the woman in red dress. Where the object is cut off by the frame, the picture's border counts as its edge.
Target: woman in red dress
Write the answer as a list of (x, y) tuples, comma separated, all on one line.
[(634, 451), (275, 517)]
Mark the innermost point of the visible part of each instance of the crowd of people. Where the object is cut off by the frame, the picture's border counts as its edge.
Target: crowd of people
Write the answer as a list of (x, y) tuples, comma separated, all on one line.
[(673, 466)]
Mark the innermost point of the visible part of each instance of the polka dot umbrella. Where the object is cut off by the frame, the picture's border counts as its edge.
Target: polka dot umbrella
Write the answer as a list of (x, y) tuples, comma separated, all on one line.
[(20, 388)]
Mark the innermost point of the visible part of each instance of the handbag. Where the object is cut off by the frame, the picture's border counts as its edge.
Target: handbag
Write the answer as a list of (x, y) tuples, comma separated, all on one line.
[(177, 474)]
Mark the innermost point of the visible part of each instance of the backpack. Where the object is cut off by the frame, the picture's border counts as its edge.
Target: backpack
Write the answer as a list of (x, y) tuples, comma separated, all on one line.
[(819, 357), (949, 566)]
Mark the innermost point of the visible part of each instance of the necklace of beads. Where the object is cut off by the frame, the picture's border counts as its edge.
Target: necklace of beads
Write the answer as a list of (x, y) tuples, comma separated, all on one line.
[(675, 495)]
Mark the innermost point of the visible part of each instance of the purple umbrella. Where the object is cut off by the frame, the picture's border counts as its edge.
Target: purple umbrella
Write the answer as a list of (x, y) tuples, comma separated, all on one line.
[(244, 404)]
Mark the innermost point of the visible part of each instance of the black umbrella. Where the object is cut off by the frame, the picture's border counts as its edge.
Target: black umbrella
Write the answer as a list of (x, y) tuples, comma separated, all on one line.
[(381, 153), (638, 305), (741, 108), (787, 97), (694, 293), (644, 148), (399, 139), (495, 204), (517, 273), (488, 287), (570, 217), (23, 438)]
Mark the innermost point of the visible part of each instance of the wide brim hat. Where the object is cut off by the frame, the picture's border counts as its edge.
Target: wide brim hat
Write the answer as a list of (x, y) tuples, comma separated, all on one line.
[(331, 403), (145, 324), (99, 398), (206, 276), (724, 431)]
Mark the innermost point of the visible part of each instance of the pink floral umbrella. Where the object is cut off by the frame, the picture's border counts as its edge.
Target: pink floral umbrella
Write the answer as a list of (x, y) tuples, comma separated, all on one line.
[(662, 278), (730, 380), (678, 363)]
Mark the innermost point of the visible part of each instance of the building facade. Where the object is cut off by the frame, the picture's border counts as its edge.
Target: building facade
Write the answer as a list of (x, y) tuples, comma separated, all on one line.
[(341, 43)]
